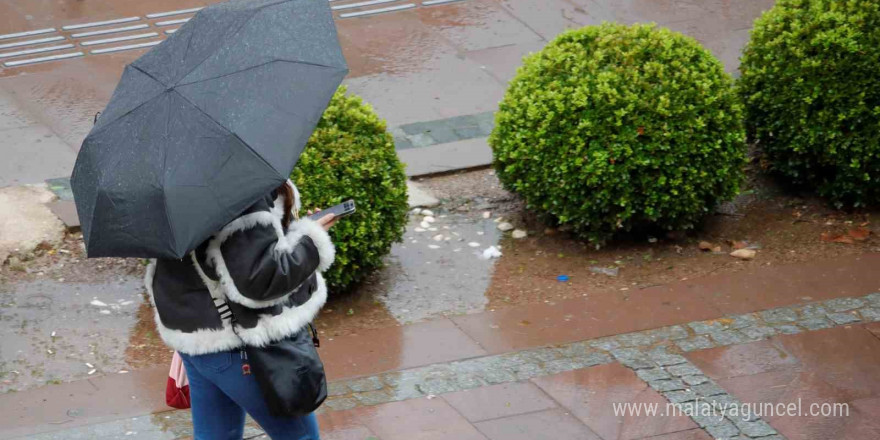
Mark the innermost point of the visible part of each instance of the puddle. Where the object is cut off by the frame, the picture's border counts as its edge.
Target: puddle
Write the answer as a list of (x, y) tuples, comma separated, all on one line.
[(435, 271), (53, 332)]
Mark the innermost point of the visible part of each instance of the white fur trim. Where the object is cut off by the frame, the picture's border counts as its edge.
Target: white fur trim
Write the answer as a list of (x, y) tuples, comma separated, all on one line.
[(201, 341), (311, 229), (286, 243), (271, 328), (148, 280)]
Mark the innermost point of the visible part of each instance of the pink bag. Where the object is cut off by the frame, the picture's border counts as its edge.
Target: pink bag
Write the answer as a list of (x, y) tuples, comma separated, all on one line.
[(177, 387)]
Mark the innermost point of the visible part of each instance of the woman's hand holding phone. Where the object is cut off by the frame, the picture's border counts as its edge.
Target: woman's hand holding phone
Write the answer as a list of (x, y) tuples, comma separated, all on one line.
[(327, 221)]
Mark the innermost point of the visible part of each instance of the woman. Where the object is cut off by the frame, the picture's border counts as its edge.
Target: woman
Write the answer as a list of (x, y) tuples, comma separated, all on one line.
[(266, 270)]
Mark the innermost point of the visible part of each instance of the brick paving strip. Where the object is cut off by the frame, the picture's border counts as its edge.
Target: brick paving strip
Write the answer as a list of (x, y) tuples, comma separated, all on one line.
[(654, 355)]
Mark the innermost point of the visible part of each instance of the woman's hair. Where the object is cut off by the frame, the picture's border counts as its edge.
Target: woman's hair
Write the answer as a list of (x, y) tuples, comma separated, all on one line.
[(286, 191)]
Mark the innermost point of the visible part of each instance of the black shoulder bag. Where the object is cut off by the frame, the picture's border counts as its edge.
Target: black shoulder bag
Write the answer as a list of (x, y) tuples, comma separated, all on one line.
[(289, 371)]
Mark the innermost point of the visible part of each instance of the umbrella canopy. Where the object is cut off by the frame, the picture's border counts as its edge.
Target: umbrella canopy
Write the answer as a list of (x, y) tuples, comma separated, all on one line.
[(204, 124)]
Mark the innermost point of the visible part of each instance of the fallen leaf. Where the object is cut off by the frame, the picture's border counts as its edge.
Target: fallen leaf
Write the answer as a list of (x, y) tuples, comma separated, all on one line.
[(836, 238), (859, 234), (706, 246)]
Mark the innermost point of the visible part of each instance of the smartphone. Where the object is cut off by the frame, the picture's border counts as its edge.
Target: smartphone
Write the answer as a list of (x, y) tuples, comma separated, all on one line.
[(341, 210)]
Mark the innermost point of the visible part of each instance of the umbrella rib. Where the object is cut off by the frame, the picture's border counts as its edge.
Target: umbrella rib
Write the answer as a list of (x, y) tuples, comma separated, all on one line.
[(306, 63), (243, 24), (224, 128)]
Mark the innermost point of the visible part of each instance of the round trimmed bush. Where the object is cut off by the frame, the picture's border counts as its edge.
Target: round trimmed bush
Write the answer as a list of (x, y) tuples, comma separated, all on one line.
[(811, 86), (613, 127), (350, 155)]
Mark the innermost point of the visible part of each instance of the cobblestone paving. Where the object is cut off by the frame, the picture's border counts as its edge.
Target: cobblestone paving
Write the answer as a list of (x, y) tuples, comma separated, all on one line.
[(654, 355)]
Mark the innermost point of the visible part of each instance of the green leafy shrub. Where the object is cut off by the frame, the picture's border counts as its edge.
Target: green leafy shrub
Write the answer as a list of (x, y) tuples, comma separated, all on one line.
[(811, 86), (350, 155), (612, 127)]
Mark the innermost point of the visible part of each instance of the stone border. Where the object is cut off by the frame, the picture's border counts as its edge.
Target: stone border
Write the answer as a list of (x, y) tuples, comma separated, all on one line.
[(443, 131), (655, 356)]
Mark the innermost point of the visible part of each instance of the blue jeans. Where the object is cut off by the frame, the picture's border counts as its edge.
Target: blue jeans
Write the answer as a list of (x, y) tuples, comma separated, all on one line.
[(220, 396)]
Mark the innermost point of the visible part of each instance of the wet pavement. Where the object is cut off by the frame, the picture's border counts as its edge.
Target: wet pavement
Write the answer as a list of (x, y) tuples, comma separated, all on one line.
[(438, 270), (54, 331), (427, 63)]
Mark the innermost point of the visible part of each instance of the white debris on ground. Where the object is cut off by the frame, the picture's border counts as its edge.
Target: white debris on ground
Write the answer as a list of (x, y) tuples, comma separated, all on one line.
[(98, 303), (491, 252), (519, 233), (505, 226)]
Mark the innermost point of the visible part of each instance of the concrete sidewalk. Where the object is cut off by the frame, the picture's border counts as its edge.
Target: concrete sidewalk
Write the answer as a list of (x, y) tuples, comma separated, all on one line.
[(700, 338)]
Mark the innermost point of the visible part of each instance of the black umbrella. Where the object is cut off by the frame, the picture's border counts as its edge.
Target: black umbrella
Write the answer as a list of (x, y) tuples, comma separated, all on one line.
[(205, 123)]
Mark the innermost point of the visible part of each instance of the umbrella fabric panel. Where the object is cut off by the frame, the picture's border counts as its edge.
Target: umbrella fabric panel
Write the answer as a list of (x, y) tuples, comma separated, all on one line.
[(134, 88), (194, 42), (289, 31), (182, 174), (273, 108)]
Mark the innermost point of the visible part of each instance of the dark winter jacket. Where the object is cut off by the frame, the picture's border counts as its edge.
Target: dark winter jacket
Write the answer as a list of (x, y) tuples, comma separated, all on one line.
[(270, 279)]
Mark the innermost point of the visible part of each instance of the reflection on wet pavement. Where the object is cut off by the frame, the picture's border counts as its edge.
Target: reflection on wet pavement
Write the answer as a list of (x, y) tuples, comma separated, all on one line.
[(55, 331), (437, 270)]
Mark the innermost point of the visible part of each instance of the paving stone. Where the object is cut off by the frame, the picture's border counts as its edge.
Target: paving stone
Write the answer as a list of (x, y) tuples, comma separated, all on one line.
[(870, 314), (695, 343), (672, 333), (402, 143), (694, 379), (337, 389), (437, 386), (366, 384), (541, 355), (779, 316), (442, 133), (758, 428), (742, 321), (704, 415), (787, 329), (421, 140), (632, 358), (595, 359), (574, 349), (370, 398), (417, 127), (815, 323), (493, 377), (606, 344), (704, 327), (722, 401), (723, 430), (873, 299), (667, 385), (340, 403), (560, 366), (683, 370), (529, 371), (634, 340), (844, 304), (680, 396), (729, 337), (758, 332), (843, 318), (813, 311), (708, 389), (664, 359), (649, 374), (468, 381)]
